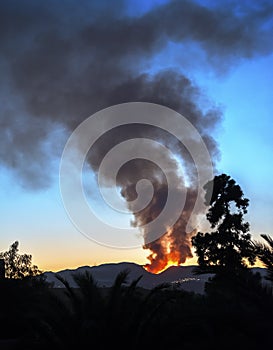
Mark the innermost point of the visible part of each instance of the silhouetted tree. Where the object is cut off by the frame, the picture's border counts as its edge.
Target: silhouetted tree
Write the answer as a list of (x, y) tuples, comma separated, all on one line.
[(234, 295), (18, 265), (265, 254), (228, 247)]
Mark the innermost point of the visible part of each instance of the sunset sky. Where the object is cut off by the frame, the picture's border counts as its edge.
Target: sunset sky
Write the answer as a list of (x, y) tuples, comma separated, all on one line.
[(61, 61)]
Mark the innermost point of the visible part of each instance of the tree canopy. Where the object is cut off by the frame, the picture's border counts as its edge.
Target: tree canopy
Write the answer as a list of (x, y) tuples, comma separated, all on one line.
[(228, 247), (18, 265)]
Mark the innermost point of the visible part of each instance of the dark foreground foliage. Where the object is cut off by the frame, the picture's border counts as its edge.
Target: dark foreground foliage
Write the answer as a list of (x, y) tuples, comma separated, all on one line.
[(234, 312)]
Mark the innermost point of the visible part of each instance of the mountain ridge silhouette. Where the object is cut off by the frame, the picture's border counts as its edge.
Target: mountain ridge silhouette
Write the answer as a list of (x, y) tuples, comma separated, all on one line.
[(104, 274)]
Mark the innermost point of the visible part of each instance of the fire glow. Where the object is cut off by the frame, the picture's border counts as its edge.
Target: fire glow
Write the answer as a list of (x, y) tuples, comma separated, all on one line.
[(169, 255)]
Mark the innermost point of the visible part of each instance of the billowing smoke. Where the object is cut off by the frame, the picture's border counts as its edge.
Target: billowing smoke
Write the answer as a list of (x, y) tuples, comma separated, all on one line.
[(174, 247), (63, 61)]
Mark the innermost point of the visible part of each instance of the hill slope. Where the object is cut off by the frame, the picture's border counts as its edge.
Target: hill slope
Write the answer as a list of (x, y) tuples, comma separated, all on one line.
[(105, 275)]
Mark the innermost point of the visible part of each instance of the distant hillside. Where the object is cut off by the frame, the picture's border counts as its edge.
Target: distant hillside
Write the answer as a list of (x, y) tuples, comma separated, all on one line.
[(105, 274)]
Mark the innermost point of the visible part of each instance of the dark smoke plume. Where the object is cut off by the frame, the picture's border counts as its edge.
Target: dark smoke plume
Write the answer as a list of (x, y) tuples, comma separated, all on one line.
[(63, 61)]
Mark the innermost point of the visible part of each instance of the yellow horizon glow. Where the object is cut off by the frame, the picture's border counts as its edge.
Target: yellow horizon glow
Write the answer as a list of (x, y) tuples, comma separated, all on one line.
[(78, 252), (74, 264), (71, 264)]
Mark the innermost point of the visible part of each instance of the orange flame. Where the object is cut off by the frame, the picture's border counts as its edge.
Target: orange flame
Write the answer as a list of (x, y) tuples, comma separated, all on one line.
[(168, 259)]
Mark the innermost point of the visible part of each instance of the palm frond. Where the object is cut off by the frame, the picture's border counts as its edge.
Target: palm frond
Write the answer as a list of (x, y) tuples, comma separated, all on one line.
[(116, 291), (268, 239), (76, 300), (264, 252), (132, 287), (85, 281)]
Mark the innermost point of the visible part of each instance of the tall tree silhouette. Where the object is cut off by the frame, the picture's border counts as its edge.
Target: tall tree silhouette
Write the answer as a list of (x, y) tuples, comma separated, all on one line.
[(18, 265), (228, 248)]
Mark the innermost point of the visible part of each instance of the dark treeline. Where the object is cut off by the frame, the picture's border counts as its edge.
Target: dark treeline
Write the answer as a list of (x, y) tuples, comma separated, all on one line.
[(236, 309), (233, 311)]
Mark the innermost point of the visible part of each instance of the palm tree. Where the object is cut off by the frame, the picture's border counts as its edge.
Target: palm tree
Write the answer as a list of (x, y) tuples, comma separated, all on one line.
[(265, 254), (96, 316)]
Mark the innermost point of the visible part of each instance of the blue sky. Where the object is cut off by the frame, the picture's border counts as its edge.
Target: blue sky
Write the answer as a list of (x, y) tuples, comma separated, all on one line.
[(242, 88), (245, 137)]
